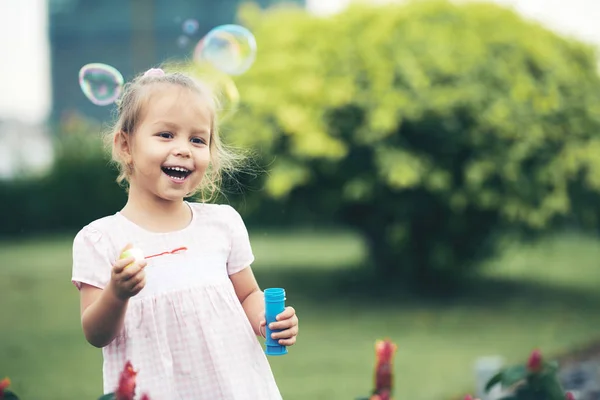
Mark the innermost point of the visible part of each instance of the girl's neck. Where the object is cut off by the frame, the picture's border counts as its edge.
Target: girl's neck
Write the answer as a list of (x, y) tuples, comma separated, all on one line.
[(155, 214)]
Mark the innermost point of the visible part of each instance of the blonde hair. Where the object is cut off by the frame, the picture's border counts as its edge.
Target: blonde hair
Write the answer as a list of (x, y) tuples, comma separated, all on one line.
[(130, 112)]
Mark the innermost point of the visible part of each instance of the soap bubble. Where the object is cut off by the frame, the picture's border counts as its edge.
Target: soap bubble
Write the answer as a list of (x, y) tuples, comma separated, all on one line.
[(100, 83), (183, 41), (221, 84), (229, 48), (190, 26)]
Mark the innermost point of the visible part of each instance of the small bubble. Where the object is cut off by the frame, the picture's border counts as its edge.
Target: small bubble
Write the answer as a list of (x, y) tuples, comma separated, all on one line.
[(190, 26), (183, 41)]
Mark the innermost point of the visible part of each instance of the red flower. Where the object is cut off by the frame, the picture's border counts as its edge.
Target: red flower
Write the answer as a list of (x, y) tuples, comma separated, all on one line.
[(126, 388), (534, 364), (385, 350), (468, 397), (4, 383), (145, 397), (384, 353), (569, 396), (385, 395)]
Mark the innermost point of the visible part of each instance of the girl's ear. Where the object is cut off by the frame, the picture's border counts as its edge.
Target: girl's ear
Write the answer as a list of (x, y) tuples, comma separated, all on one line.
[(122, 145)]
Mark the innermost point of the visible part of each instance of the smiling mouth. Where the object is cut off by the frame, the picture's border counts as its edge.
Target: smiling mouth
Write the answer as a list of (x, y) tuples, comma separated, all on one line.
[(177, 173)]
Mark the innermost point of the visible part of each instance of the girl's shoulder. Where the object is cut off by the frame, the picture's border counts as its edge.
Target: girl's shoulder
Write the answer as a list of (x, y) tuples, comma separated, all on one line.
[(100, 225), (98, 231), (215, 210), (219, 214)]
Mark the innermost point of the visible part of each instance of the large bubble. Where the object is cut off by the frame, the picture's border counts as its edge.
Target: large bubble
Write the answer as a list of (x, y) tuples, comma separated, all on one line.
[(101, 83), (229, 48), (221, 84)]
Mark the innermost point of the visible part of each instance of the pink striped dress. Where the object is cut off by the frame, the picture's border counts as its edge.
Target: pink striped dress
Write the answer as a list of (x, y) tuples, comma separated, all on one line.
[(186, 331)]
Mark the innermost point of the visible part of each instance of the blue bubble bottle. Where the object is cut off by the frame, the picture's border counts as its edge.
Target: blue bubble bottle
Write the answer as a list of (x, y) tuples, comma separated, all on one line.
[(274, 305)]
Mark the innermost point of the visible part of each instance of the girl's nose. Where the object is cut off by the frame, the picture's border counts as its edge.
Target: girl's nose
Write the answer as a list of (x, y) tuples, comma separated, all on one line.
[(182, 150)]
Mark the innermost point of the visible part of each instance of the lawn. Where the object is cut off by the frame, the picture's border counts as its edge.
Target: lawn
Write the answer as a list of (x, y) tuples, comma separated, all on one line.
[(543, 295)]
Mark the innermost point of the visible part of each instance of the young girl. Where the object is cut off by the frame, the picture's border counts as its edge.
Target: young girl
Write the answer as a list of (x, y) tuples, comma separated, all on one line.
[(187, 316)]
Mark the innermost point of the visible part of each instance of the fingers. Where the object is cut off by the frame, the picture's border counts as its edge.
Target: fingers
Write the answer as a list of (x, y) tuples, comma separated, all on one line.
[(287, 313), (128, 277), (287, 337), (122, 263), (286, 334), (133, 267), (285, 322), (287, 342), (287, 325), (133, 284), (137, 287)]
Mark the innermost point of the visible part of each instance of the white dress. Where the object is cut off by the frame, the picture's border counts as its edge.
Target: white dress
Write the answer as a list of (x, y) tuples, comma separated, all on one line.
[(186, 331)]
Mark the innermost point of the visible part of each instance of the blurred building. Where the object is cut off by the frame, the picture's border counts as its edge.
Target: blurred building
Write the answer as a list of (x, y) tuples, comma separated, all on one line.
[(25, 149), (130, 35)]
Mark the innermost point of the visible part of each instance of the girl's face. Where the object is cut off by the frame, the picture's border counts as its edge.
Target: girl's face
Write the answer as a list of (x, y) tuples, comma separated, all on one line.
[(170, 149)]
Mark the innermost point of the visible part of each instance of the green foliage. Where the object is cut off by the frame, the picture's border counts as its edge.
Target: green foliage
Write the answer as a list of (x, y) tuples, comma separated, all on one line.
[(525, 383), (8, 395), (428, 126)]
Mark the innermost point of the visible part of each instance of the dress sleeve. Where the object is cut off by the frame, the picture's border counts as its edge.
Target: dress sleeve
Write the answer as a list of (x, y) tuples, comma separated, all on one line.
[(92, 262), (240, 254)]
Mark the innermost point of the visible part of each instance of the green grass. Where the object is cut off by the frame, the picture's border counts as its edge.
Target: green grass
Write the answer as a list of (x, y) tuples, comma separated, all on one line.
[(544, 295)]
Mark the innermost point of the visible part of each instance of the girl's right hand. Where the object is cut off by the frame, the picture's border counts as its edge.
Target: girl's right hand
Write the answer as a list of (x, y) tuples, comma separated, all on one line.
[(127, 282)]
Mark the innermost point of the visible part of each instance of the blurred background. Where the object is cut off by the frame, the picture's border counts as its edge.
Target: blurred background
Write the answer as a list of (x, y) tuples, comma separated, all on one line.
[(424, 171)]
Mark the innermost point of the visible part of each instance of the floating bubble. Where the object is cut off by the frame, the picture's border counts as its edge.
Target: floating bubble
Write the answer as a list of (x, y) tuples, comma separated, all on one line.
[(183, 41), (229, 48), (190, 26), (100, 83), (221, 84)]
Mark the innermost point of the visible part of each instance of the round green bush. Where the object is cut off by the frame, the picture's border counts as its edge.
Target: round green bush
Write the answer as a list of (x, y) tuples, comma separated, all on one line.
[(430, 127)]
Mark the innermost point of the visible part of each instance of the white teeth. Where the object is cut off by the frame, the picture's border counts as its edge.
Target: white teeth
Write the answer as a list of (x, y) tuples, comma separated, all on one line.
[(178, 169)]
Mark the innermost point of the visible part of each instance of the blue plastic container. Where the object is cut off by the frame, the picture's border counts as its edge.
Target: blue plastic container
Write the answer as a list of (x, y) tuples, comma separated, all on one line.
[(274, 305)]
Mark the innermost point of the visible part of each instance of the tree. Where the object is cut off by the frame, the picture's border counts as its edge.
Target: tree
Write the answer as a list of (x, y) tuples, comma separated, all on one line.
[(430, 127)]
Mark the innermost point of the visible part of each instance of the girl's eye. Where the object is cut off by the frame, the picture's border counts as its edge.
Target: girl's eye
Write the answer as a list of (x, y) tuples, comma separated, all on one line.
[(198, 140), (166, 135)]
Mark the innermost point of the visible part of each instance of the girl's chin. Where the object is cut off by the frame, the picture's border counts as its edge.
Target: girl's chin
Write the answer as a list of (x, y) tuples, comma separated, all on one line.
[(176, 192)]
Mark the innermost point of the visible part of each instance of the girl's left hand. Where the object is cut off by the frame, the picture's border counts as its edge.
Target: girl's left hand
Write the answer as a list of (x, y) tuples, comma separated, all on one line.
[(287, 322)]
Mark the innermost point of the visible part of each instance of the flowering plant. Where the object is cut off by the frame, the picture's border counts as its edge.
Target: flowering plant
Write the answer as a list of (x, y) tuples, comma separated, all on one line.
[(6, 394), (535, 380), (126, 388), (384, 356)]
